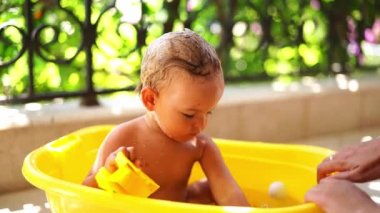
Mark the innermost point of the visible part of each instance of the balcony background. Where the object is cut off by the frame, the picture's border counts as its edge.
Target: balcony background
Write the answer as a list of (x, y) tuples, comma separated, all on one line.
[(65, 48)]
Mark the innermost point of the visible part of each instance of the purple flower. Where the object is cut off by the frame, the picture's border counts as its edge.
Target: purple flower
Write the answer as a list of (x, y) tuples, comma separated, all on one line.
[(352, 34), (256, 28), (369, 35), (351, 24), (190, 5), (376, 29), (315, 4), (353, 48)]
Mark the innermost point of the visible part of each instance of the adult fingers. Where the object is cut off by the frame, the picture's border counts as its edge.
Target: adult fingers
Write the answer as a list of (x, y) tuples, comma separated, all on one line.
[(311, 195), (356, 174), (317, 193), (330, 167)]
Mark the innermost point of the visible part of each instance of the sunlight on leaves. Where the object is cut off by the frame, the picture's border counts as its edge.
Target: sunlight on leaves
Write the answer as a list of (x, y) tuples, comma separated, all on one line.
[(310, 55), (286, 53), (70, 52), (130, 9), (50, 76), (129, 34), (74, 78)]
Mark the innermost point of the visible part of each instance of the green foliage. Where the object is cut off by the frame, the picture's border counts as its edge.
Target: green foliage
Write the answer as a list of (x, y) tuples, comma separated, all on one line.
[(255, 39)]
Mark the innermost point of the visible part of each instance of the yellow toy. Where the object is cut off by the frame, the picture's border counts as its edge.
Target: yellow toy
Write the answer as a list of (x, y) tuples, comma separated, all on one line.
[(127, 179)]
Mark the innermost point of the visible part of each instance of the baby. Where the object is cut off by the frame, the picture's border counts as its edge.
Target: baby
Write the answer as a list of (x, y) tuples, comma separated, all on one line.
[(181, 83)]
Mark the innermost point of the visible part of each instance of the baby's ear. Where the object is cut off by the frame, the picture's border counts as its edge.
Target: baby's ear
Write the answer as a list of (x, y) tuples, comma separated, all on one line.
[(148, 97)]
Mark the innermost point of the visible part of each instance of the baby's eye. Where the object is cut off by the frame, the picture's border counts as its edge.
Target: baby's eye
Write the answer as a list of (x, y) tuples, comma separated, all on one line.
[(188, 115)]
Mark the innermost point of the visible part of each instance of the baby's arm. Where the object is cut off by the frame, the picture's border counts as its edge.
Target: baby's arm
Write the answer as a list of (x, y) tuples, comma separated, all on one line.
[(106, 155), (224, 188)]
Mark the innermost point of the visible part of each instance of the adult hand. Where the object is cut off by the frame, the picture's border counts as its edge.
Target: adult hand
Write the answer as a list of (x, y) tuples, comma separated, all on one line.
[(358, 163), (340, 196)]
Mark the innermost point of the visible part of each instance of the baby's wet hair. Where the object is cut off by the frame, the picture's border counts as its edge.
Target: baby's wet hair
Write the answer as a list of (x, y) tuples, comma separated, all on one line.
[(186, 50)]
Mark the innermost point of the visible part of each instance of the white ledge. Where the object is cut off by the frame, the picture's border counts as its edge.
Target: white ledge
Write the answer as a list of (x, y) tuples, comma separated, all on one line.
[(59, 111)]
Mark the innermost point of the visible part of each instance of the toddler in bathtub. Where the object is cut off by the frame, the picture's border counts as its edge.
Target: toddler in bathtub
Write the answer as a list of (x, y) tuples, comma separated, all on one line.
[(181, 83)]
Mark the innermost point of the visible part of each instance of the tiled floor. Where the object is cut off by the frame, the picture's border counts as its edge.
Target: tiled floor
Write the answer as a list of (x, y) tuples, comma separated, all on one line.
[(34, 200)]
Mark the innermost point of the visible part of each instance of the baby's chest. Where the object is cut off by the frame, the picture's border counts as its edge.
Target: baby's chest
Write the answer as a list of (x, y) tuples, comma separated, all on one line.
[(169, 169), (166, 162)]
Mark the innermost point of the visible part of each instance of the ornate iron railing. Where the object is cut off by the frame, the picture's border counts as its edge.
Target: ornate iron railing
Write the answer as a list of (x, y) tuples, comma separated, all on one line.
[(32, 46)]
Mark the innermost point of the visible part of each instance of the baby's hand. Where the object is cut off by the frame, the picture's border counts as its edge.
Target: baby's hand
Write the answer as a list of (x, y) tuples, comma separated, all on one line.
[(129, 152)]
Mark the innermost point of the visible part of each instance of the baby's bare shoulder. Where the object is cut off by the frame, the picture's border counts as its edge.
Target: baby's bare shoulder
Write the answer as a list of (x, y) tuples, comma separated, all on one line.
[(123, 135), (204, 141), (126, 131), (210, 150)]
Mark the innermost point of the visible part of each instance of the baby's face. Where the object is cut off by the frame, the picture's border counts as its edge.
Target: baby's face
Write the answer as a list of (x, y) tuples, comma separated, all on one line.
[(184, 105)]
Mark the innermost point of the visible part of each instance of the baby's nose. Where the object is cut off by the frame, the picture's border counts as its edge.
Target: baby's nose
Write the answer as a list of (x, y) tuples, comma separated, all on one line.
[(200, 123)]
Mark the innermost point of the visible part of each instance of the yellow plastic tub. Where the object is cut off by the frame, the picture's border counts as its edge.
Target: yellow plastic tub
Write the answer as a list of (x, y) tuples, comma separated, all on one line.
[(59, 167)]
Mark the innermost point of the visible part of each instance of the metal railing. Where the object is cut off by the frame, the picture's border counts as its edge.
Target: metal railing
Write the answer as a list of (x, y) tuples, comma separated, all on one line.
[(32, 46)]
